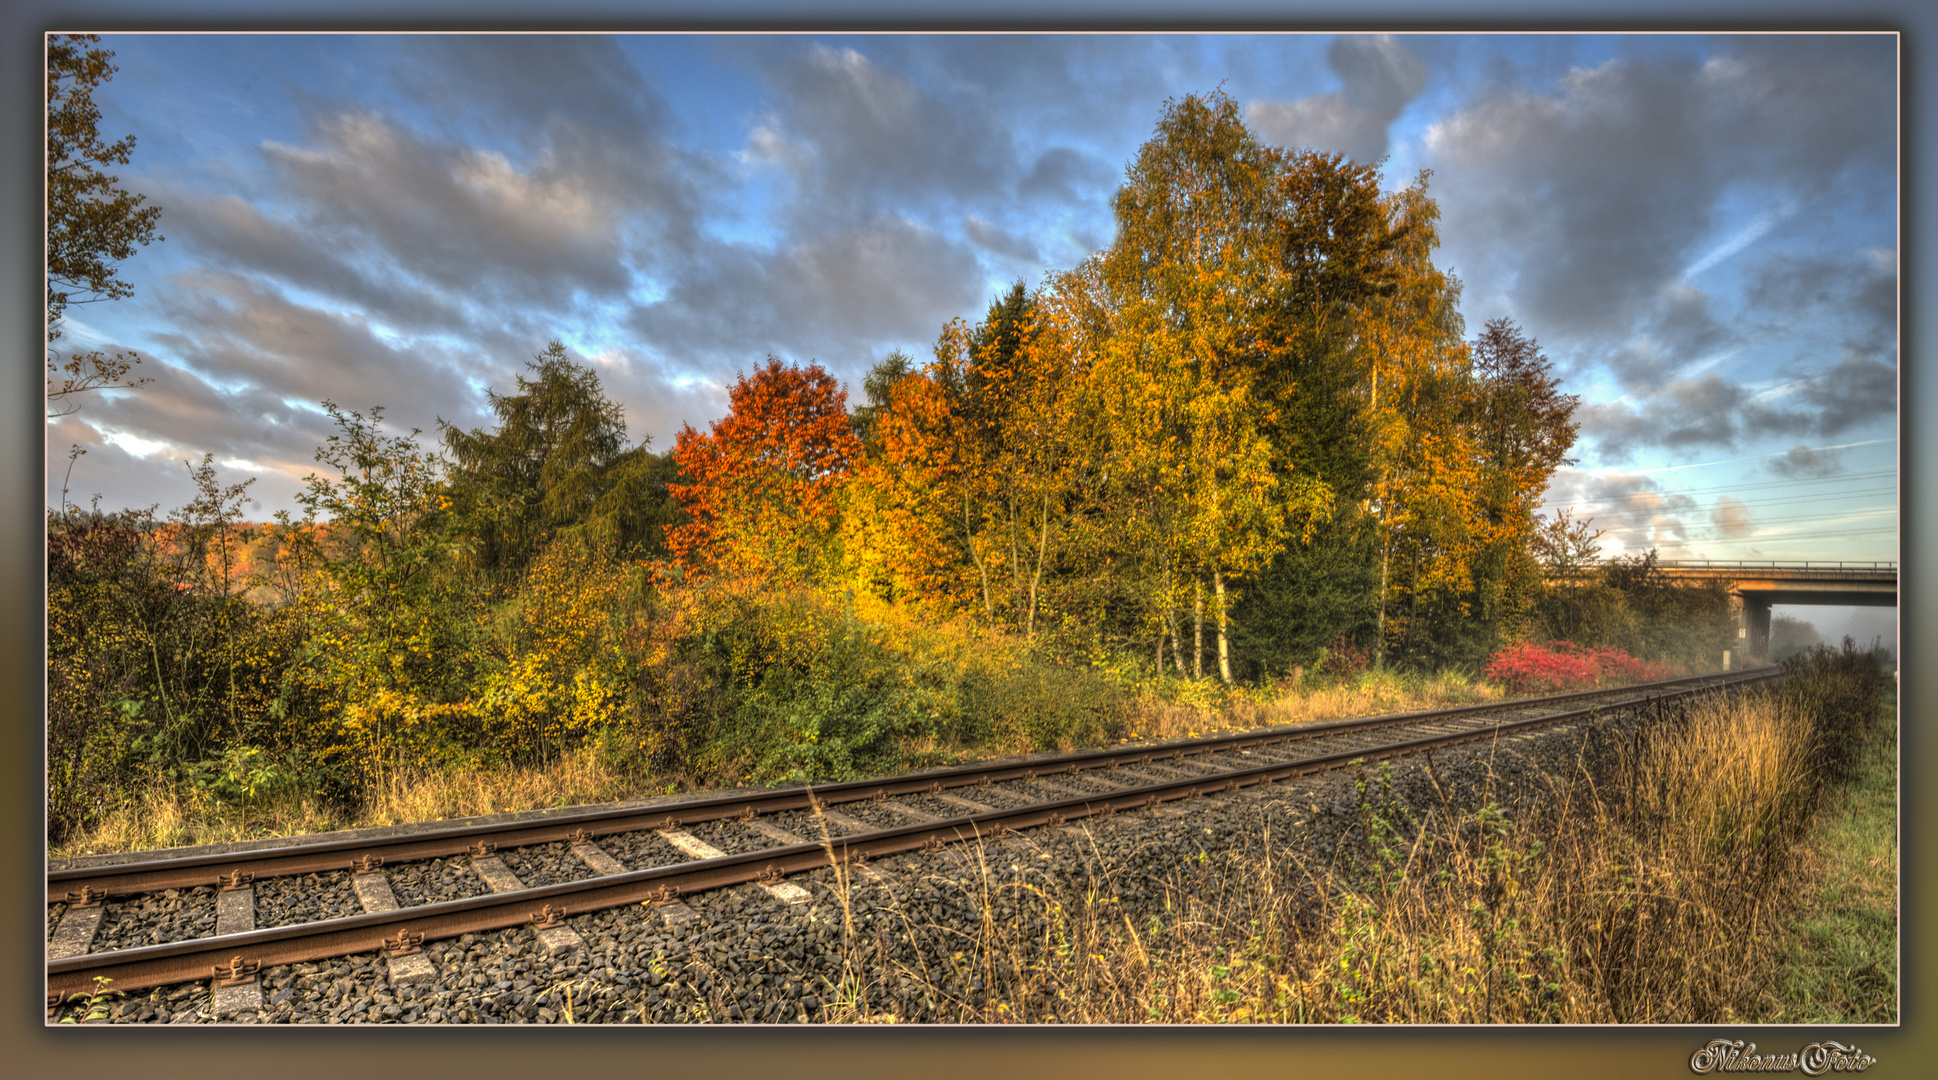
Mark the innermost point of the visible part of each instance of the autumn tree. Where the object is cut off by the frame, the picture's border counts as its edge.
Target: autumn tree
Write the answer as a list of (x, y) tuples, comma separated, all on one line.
[(92, 224), (997, 419), (1193, 279), (1423, 468), (760, 486)]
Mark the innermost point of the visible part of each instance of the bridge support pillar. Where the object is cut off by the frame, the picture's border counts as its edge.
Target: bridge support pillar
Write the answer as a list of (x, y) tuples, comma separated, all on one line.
[(1753, 629)]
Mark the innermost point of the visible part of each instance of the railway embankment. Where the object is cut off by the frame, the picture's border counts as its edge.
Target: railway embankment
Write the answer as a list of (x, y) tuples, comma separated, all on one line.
[(1508, 878)]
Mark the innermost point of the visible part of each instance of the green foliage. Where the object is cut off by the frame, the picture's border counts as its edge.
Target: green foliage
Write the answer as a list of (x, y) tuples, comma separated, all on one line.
[(557, 462), (91, 223), (157, 665), (878, 387), (763, 687), (1630, 605), (1312, 595)]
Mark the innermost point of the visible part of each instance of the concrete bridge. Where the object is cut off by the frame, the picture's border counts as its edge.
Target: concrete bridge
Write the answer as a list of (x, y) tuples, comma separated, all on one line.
[(1755, 586)]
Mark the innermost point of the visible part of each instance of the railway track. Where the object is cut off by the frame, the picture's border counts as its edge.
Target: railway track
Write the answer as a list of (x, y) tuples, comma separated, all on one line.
[(223, 919)]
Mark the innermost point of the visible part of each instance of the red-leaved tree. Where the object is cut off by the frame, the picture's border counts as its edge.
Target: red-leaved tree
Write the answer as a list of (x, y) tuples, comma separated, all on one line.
[(760, 484)]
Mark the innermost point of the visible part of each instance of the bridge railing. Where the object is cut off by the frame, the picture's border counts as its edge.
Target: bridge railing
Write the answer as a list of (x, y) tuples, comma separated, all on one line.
[(1772, 564), (1724, 567)]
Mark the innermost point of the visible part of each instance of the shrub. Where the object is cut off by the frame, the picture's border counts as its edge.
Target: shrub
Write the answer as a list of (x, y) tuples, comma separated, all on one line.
[(1527, 668), (739, 682)]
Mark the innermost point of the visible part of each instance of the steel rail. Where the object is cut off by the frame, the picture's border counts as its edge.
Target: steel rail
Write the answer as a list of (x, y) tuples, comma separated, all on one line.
[(82, 883), (407, 928)]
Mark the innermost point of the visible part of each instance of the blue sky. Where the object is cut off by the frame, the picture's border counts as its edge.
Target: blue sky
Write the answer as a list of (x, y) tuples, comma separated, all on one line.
[(1701, 232)]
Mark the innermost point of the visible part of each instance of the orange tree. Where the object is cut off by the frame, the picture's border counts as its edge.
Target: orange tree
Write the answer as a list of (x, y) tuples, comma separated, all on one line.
[(974, 458), (760, 490)]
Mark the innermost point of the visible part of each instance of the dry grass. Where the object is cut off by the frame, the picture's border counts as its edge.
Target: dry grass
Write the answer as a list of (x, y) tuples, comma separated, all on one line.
[(165, 816), (1651, 889), (1364, 695), (575, 778)]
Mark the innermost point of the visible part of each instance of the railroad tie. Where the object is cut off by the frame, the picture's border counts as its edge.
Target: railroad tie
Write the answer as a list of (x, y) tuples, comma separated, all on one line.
[(856, 825), (780, 835), (785, 891), (74, 934), (1178, 769), (235, 913), (1069, 792), (595, 856), (911, 812), (602, 862), (498, 878), (374, 893), (967, 804), (1064, 790), (974, 807)]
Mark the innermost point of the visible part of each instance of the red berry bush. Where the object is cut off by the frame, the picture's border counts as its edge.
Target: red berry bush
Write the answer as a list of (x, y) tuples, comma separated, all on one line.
[(1527, 668)]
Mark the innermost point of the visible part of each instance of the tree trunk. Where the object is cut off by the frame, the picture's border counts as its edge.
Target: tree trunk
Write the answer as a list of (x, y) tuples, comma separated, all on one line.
[(1042, 552), (1171, 620), (1198, 631), (1379, 632), (982, 571), (1224, 648)]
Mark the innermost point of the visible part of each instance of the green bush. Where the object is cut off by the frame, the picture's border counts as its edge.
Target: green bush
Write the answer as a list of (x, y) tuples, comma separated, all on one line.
[(797, 686)]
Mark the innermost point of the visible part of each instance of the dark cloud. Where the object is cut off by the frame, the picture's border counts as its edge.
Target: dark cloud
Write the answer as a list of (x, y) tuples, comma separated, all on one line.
[(1805, 463), (992, 239), (1857, 391), (850, 132), (263, 350), (237, 235), (1712, 411), (833, 296), (458, 218), (1809, 110), (1858, 293), (523, 86), (1681, 415), (1068, 176), (1586, 211), (1679, 332), (1101, 89), (1379, 76), (1588, 202)]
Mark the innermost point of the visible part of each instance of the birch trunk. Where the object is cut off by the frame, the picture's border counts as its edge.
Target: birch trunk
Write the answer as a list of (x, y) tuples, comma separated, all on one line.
[(1198, 630), (1224, 648)]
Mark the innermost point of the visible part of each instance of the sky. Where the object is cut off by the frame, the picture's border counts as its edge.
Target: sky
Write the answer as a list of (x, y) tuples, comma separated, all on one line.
[(1700, 232)]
